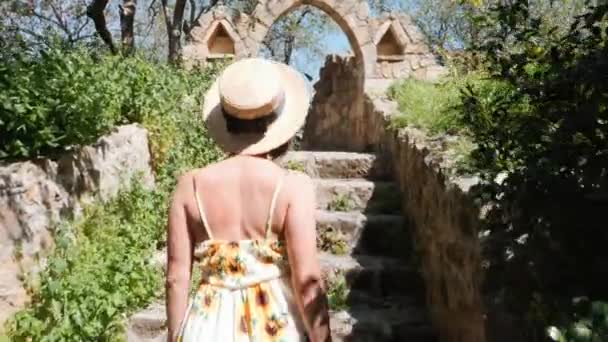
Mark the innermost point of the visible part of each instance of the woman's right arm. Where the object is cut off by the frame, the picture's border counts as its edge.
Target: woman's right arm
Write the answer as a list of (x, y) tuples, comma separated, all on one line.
[(301, 236), (179, 258)]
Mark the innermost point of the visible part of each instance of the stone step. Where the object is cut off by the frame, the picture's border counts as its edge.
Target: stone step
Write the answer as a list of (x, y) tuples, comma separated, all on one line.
[(337, 164), (358, 194), (374, 234), (362, 322), (375, 276), (381, 325)]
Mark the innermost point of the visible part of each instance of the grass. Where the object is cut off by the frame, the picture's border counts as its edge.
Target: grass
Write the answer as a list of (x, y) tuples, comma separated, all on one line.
[(333, 241), (432, 106), (341, 203), (437, 109), (337, 292), (296, 166)]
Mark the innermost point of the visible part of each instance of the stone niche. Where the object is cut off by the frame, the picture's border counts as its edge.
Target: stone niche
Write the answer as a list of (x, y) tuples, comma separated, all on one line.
[(388, 46), (401, 51), (213, 39), (219, 43)]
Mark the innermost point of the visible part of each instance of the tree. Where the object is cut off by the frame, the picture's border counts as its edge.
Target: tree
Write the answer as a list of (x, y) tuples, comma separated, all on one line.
[(127, 16), (35, 24), (541, 140), (302, 29)]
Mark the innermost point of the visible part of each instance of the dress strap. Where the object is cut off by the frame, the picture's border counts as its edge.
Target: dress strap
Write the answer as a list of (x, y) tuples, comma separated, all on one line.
[(199, 205), (272, 205)]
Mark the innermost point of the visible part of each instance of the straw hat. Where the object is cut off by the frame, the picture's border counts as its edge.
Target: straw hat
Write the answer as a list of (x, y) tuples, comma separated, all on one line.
[(255, 88)]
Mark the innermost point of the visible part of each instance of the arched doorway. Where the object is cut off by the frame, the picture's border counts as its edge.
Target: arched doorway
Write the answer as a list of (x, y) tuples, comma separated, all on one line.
[(352, 16)]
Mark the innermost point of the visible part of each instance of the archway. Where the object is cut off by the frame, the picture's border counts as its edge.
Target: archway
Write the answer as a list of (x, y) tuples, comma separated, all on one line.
[(352, 16)]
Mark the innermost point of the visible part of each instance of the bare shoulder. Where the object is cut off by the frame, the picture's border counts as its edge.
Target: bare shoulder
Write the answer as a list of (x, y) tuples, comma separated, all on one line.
[(299, 185), (184, 185), (299, 180)]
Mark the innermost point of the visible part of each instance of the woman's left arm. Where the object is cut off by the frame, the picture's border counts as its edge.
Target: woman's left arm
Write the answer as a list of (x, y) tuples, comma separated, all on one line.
[(179, 258)]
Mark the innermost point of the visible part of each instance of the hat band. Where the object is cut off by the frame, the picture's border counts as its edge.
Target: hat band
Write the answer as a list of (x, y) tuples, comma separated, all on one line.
[(257, 125), (274, 106)]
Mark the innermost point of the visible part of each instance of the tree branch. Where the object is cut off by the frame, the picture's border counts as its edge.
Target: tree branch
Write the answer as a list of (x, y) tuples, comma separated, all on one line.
[(95, 12), (127, 16)]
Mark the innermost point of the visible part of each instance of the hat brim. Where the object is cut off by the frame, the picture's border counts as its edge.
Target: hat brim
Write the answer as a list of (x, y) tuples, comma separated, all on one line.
[(280, 131)]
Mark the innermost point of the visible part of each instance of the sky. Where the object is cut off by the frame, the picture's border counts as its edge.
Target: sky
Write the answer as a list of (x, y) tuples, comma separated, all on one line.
[(336, 43)]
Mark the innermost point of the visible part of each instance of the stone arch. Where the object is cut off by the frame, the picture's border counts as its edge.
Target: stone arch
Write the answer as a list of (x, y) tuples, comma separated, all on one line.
[(364, 32), (352, 16)]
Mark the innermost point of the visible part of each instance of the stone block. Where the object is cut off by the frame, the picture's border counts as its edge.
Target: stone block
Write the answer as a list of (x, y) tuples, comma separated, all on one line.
[(34, 196)]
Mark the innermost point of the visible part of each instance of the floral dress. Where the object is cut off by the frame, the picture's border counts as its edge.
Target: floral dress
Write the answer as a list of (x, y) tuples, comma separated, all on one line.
[(245, 292)]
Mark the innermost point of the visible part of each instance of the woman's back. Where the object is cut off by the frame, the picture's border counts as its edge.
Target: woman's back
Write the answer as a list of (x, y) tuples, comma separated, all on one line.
[(240, 227), (235, 198), (246, 223)]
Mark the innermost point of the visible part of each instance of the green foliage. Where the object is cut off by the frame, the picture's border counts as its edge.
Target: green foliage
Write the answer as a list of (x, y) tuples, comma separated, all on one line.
[(337, 292), (425, 104), (100, 270), (60, 99), (436, 106), (589, 323), (541, 145), (332, 240), (341, 202), (296, 166)]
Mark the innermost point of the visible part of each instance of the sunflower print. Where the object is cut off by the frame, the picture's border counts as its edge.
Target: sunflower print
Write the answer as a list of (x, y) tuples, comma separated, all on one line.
[(241, 281)]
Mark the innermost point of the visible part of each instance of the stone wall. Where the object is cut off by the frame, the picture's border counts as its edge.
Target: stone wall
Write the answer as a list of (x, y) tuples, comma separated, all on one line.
[(337, 109), (401, 51), (341, 115), (352, 114), (383, 47), (36, 195), (444, 224)]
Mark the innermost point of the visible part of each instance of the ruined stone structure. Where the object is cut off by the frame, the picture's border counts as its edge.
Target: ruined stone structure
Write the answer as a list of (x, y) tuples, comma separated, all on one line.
[(388, 46)]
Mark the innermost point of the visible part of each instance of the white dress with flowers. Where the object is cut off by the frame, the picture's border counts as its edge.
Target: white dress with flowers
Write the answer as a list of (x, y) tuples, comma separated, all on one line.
[(245, 292)]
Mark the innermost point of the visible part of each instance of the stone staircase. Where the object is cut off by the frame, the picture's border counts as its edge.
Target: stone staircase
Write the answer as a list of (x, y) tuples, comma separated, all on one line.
[(375, 292)]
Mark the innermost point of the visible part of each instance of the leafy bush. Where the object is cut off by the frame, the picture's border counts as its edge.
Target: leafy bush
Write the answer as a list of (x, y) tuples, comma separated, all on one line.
[(589, 323), (425, 104), (437, 107), (61, 99), (541, 147), (100, 269)]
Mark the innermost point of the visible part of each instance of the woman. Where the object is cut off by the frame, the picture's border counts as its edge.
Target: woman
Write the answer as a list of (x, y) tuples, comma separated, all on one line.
[(249, 223)]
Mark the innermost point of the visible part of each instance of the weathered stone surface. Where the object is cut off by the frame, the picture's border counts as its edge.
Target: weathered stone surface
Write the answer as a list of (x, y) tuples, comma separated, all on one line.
[(36, 196), (353, 17), (337, 109), (444, 223), (338, 164), (357, 195)]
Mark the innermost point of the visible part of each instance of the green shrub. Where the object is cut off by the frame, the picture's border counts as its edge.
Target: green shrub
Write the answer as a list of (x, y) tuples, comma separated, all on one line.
[(55, 101), (588, 323), (425, 104), (100, 269), (60, 99), (540, 150)]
